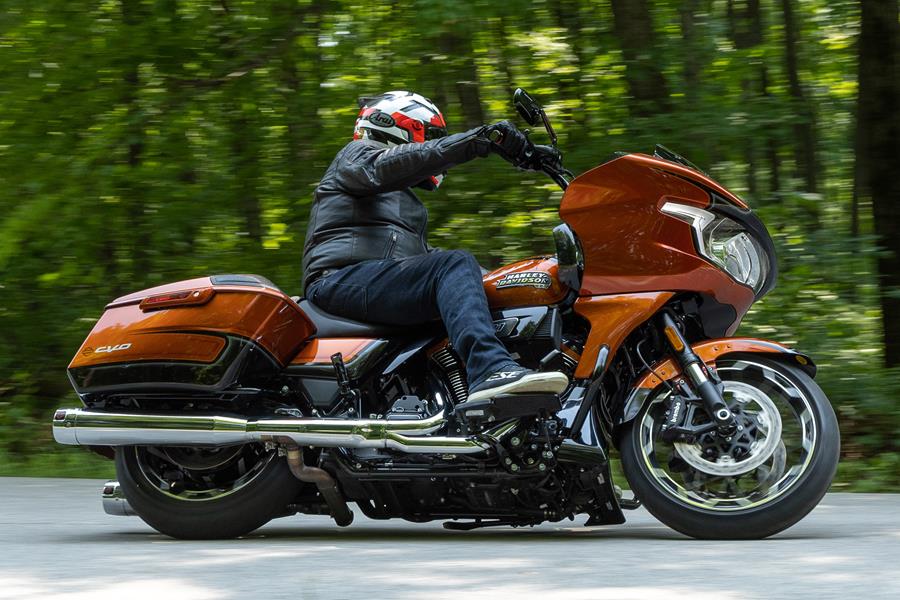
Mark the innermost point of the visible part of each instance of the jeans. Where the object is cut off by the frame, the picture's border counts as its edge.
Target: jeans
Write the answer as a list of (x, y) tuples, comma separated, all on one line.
[(416, 290)]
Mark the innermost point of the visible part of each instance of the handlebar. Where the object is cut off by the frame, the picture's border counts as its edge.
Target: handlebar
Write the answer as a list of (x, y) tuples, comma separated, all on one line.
[(549, 160), (542, 158)]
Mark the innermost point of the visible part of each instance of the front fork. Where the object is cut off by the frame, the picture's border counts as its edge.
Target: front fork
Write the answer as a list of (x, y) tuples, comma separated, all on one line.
[(704, 382)]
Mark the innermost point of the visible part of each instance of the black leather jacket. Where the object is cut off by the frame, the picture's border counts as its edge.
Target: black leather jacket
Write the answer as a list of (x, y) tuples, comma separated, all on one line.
[(364, 209)]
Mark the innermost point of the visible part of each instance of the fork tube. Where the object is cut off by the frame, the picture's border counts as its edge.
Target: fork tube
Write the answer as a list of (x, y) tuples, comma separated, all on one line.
[(696, 374)]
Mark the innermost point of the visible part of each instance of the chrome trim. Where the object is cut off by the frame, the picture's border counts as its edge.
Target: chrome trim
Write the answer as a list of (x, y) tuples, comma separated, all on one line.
[(695, 372), (114, 501), (75, 426), (696, 217)]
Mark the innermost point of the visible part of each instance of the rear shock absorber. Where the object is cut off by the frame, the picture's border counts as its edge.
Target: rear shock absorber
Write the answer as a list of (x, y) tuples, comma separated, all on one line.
[(695, 372)]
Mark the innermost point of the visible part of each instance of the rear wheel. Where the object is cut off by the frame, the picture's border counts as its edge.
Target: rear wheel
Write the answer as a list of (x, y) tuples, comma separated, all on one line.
[(205, 493), (759, 481)]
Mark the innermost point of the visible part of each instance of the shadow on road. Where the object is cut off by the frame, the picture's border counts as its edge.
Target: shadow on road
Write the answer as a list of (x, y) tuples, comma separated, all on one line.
[(407, 534)]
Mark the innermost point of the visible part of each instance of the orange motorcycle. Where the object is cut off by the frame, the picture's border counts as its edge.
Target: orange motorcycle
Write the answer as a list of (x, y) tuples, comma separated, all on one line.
[(226, 403)]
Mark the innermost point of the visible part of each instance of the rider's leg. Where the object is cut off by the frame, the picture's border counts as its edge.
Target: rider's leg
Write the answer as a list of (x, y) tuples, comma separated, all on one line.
[(444, 284)]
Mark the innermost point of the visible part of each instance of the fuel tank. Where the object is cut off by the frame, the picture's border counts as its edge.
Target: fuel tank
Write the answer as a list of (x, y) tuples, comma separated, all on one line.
[(199, 335), (530, 282)]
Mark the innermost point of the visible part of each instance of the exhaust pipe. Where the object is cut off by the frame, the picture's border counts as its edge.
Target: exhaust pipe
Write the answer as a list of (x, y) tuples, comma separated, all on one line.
[(81, 427), (325, 483), (114, 501)]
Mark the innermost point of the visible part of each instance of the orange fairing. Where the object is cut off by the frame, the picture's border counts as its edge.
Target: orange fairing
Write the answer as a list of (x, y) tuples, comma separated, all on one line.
[(125, 333), (710, 350), (529, 282), (629, 245), (611, 319), (320, 350)]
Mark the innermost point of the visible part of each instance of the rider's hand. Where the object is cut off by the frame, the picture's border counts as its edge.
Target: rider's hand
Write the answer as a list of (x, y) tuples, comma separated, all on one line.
[(510, 143)]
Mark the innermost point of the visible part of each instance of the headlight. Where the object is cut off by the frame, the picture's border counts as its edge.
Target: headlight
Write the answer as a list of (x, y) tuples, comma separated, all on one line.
[(724, 242)]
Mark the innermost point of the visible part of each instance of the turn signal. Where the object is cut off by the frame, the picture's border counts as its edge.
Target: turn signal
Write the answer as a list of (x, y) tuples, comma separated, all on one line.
[(674, 339), (170, 299)]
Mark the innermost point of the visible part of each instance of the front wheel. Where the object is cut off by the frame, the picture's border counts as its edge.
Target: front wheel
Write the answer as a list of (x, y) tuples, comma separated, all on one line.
[(753, 484), (197, 493)]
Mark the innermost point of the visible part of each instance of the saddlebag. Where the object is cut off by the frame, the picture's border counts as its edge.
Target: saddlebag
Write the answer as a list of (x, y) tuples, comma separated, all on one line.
[(203, 335)]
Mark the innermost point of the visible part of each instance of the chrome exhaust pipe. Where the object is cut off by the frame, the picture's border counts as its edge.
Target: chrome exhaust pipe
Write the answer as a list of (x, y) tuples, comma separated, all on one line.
[(114, 501), (81, 427)]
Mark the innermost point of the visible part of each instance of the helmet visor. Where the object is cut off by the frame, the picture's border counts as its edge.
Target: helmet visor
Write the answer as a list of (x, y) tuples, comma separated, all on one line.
[(433, 132)]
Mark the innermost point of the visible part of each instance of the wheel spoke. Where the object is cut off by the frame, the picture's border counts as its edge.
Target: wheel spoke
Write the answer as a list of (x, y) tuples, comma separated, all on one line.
[(201, 474), (755, 465)]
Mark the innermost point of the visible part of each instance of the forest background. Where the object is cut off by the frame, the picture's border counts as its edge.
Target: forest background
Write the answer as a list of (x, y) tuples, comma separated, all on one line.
[(145, 141)]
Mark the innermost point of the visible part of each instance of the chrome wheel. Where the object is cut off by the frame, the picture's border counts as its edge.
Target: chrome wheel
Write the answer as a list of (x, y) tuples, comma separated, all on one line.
[(765, 458), (201, 474)]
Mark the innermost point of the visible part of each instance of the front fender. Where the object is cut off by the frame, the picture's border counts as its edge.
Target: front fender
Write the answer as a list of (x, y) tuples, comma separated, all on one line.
[(709, 352)]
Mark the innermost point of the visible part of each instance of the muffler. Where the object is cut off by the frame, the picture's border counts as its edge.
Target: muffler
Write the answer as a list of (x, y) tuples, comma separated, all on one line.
[(114, 501), (81, 427)]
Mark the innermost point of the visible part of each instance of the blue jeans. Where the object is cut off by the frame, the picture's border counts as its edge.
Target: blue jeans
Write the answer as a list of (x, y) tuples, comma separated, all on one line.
[(411, 291)]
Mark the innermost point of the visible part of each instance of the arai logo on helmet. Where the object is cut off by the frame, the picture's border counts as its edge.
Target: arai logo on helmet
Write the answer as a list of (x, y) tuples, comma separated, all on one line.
[(382, 119), (106, 349)]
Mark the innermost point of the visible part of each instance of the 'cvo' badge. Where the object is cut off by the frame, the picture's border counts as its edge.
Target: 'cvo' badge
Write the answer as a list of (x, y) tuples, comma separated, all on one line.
[(535, 279)]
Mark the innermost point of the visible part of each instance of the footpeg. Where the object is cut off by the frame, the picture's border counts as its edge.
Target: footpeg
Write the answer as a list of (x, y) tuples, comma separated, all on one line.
[(508, 406)]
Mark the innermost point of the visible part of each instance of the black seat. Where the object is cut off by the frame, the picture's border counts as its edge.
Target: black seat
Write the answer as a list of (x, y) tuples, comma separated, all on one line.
[(329, 325)]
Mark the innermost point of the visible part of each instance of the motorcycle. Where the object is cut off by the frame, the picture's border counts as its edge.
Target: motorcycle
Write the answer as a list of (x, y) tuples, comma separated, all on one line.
[(226, 403)]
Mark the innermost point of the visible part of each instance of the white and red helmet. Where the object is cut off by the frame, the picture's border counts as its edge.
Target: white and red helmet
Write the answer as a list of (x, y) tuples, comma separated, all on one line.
[(399, 117)]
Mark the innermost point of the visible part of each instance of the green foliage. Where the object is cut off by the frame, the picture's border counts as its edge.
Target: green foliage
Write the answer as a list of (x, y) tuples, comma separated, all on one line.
[(143, 142)]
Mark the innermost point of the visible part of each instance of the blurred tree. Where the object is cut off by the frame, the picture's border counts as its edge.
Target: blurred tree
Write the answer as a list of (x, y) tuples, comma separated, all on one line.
[(878, 123), (746, 30), (804, 129), (643, 67)]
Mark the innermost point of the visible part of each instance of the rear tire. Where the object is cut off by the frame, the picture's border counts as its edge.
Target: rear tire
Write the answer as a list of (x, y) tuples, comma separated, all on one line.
[(217, 513), (744, 514)]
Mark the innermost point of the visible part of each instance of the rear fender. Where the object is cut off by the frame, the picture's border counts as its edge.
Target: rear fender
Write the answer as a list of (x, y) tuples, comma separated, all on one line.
[(710, 351)]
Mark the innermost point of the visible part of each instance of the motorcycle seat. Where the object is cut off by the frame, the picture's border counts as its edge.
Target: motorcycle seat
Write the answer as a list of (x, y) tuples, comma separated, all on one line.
[(333, 326)]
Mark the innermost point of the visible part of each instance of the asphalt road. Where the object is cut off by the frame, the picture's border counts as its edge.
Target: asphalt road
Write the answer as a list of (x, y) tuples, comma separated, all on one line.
[(56, 542)]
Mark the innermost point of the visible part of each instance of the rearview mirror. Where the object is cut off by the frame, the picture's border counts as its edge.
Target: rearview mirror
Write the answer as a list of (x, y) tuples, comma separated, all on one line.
[(532, 111), (529, 108)]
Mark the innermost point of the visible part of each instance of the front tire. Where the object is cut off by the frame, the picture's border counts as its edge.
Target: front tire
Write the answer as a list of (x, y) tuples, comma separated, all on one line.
[(702, 489), (190, 493)]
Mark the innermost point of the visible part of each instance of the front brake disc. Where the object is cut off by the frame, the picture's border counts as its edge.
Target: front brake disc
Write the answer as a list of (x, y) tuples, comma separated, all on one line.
[(768, 423)]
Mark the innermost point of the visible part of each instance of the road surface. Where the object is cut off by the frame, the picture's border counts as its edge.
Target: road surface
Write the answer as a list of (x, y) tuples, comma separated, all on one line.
[(56, 542)]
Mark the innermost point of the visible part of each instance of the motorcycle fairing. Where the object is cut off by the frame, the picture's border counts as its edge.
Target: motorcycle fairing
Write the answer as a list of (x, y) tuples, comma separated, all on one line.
[(630, 246), (611, 319)]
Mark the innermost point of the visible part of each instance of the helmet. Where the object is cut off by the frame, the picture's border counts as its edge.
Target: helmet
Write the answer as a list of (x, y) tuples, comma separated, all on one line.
[(400, 117)]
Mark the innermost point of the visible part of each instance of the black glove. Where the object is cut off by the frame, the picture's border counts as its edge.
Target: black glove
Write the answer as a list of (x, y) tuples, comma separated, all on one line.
[(510, 143)]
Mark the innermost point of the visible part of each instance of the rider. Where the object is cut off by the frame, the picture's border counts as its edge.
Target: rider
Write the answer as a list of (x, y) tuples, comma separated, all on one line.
[(366, 256)]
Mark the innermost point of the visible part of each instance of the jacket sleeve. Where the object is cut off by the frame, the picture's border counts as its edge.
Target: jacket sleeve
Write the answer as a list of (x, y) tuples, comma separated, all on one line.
[(367, 168)]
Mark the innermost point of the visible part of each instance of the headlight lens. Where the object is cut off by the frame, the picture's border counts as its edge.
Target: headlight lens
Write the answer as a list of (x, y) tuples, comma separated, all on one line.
[(726, 243), (732, 248)]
